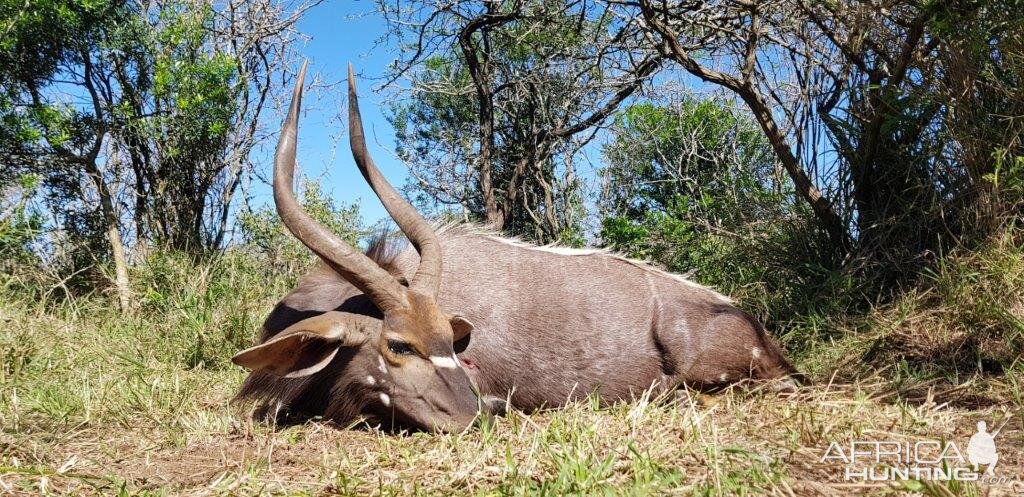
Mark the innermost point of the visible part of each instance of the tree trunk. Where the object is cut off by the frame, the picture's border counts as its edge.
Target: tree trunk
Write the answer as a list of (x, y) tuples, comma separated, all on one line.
[(494, 217), (113, 235), (480, 73), (828, 218), (120, 267)]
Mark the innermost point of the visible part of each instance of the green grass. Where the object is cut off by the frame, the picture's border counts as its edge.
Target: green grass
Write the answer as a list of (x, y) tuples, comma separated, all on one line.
[(96, 401)]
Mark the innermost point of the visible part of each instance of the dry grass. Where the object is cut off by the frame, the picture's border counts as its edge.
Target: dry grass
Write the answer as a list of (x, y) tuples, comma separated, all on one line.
[(95, 402), (734, 443)]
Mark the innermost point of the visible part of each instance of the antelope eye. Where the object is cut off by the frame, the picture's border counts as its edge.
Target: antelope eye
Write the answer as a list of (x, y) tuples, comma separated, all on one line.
[(399, 347)]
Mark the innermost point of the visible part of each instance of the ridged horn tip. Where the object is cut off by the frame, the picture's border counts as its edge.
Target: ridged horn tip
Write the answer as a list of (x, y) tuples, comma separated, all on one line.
[(300, 80), (351, 80)]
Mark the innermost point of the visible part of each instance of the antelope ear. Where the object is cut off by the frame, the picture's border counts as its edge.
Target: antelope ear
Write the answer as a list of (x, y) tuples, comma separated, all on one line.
[(461, 327), (307, 346)]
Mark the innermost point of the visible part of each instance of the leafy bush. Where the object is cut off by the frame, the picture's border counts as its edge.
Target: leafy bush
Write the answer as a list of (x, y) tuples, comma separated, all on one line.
[(20, 227), (264, 234), (198, 313), (693, 187)]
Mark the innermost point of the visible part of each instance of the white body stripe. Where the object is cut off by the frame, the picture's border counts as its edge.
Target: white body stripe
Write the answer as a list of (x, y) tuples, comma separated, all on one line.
[(575, 252)]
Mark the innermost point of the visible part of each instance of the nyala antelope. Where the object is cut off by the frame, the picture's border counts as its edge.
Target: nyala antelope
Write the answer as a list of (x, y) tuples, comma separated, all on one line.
[(430, 337)]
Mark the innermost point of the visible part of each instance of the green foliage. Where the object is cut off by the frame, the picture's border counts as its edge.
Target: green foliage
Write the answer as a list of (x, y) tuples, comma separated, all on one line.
[(921, 170), (198, 311), (1007, 179), (20, 227), (264, 234), (178, 138), (436, 129), (538, 72), (700, 157), (692, 187), (156, 117), (39, 40), (38, 36), (987, 121), (200, 86)]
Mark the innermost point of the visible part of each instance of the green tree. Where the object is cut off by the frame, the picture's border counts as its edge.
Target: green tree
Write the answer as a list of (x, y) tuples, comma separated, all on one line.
[(883, 115), (178, 107), (168, 102), (505, 97), (702, 157), (693, 185), (44, 43)]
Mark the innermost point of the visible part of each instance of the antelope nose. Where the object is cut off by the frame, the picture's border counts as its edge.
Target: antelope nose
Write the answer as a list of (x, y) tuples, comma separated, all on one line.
[(463, 390)]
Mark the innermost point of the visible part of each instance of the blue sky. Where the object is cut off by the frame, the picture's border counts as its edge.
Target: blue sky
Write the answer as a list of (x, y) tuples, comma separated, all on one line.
[(339, 33)]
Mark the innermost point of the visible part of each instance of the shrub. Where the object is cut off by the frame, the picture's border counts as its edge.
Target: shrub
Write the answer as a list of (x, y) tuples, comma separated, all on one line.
[(265, 236)]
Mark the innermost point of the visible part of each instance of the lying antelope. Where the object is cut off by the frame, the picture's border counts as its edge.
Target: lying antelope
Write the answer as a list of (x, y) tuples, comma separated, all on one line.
[(418, 337)]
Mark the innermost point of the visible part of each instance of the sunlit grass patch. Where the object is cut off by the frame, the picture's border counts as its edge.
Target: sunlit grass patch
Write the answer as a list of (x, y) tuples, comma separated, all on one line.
[(93, 401)]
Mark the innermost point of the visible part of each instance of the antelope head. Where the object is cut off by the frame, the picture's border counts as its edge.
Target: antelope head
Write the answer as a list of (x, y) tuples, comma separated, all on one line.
[(405, 361)]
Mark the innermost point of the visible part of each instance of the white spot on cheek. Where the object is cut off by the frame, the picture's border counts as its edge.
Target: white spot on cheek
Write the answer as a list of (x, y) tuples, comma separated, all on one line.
[(380, 364), (444, 362), (756, 352), (370, 380), (723, 377), (385, 399)]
